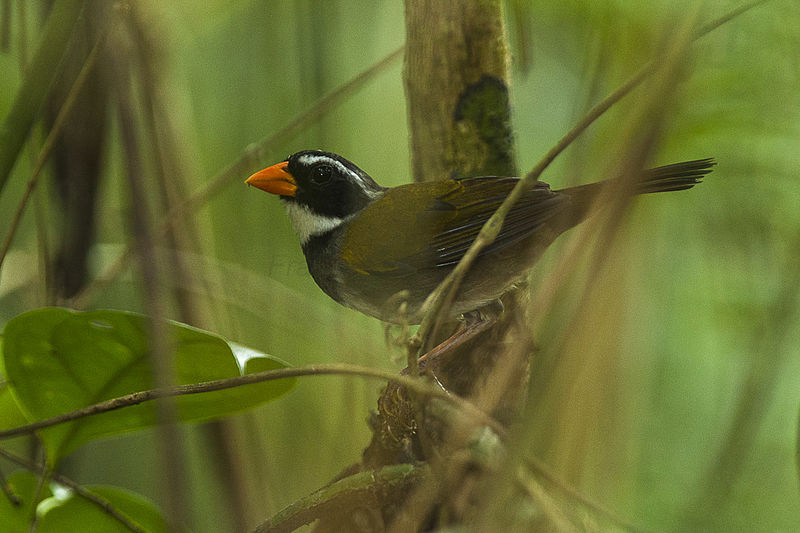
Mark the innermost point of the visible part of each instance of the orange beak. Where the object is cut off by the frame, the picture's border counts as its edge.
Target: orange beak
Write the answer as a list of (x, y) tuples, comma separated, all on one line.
[(275, 179)]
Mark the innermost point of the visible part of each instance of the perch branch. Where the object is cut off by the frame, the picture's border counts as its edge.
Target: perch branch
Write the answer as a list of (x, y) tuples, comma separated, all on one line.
[(136, 398)]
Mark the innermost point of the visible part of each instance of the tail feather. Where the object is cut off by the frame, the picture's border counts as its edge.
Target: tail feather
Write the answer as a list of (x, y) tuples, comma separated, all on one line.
[(675, 177)]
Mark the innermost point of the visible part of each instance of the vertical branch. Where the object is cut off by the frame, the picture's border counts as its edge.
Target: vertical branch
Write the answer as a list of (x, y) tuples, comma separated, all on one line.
[(457, 88), (33, 91), (77, 154), (182, 233), (172, 456), (456, 78)]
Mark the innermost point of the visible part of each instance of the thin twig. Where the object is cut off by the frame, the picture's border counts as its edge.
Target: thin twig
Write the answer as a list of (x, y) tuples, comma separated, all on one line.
[(419, 386), (41, 482), (52, 138), (104, 504), (541, 470), (241, 166), (545, 503), (161, 362)]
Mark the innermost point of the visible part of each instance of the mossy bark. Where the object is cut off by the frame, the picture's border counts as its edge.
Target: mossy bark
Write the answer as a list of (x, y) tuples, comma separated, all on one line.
[(456, 78)]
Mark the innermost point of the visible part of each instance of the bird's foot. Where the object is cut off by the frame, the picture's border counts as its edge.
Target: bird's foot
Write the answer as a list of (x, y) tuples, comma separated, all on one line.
[(472, 324)]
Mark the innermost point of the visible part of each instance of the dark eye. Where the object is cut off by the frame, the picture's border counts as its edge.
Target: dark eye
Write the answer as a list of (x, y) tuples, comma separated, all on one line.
[(321, 174)]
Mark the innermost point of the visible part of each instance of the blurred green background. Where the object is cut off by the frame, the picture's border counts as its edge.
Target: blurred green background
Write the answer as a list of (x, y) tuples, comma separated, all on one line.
[(697, 418)]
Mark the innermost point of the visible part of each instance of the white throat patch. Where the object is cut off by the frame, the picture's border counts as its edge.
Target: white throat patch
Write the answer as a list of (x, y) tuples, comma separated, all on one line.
[(308, 224)]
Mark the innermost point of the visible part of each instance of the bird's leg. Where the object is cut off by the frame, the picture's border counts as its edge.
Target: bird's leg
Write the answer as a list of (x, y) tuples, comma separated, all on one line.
[(473, 323)]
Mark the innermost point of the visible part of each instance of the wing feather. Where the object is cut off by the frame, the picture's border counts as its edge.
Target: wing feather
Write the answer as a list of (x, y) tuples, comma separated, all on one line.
[(454, 213)]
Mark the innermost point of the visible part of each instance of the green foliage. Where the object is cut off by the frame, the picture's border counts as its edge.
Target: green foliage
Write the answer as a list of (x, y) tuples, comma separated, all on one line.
[(17, 123), (639, 400), (16, 518), (57, 360), (75, 513), (10, 413)]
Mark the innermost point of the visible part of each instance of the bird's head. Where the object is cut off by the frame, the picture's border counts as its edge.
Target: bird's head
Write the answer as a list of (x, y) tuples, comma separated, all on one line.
[(320, 190)]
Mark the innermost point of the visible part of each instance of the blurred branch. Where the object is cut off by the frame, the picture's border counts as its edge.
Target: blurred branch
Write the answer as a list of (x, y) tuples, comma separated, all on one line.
[(162, 142), (716, 23), (34, 89), (755, 397), (541, 470), (242, 165), (639, 141), (161, 138), (417, 385), (8, 492), (104, 504), (371, 490), (49, 143), (162, 365), (549, 506), (255, 152)]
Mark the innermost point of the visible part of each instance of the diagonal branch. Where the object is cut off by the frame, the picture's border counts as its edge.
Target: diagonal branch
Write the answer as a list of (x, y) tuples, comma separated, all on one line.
[(370, 488), (439, 301), (241, 166), (77, 488), (417, 385)]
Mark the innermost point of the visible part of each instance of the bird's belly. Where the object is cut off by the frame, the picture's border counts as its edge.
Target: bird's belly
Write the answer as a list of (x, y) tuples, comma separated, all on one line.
[(398, 298)]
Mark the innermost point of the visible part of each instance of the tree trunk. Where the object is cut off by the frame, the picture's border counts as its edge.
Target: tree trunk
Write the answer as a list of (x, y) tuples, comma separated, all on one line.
[(456, 77)]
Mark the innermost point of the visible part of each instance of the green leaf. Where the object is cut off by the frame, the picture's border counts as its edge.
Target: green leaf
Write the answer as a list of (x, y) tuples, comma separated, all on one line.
[(17, 518), (10, 414), (39, 76), (75, 513), (57, 360)]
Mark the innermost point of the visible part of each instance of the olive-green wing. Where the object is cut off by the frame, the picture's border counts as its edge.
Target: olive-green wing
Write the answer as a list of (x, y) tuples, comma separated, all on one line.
[(478, 200), (433, 224)]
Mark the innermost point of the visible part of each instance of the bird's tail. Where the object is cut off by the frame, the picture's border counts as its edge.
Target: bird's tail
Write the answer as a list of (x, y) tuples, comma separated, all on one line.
[(674, 177)]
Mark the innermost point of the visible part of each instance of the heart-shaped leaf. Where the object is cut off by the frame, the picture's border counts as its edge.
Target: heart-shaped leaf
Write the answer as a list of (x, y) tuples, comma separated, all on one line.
[(57, 360)]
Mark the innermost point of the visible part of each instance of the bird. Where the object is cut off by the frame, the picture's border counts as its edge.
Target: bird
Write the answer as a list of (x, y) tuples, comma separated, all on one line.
[(372, 248)]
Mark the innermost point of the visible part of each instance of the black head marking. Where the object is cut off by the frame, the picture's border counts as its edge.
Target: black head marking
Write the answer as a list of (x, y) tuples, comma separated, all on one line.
[(330, 185)]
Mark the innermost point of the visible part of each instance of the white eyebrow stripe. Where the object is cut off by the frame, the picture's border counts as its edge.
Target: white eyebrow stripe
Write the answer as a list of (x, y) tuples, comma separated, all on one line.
[(309, 159)]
